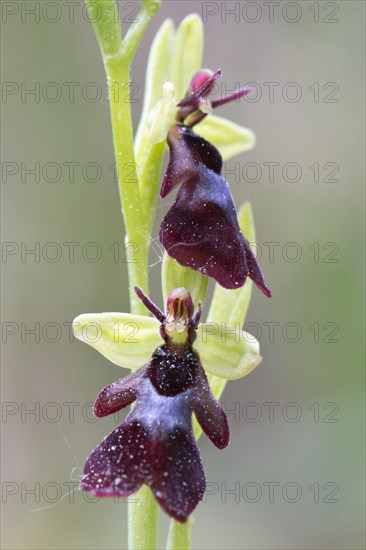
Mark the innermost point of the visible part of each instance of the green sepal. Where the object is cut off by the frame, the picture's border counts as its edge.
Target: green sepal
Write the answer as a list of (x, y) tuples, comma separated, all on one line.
[(131, 41), (125, 339), (229, 138), (162, 116), (173, 275), (187, 53), (227, 352), (158, 71)]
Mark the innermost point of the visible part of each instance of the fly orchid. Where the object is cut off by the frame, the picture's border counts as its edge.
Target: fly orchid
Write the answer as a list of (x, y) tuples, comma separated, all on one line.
[(154, 447), (155, 444), (201, 229)]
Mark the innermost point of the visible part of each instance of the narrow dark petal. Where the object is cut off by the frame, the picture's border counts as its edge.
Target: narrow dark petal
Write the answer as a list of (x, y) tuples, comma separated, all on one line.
[(179, 478), (118, 395), (149, 304), (233, 96), (120, 464), (210, 415), (197, 316), (187, 151)]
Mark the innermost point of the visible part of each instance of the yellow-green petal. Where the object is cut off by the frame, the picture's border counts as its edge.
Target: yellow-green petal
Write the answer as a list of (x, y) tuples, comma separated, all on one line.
[(125, 339), (227, 352), (228, 137)]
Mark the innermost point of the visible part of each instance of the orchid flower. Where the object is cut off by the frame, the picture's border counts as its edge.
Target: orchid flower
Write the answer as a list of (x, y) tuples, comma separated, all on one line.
[(155, 444), (179, 365), (201, 229)]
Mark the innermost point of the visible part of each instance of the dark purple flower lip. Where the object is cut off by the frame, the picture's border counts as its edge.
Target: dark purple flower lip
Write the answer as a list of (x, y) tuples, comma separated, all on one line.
[(201, 229), (155, 444)]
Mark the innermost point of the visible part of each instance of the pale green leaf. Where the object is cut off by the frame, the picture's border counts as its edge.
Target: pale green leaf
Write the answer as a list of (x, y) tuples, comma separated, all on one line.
[(175, 276), (227, 352), (187, 53), (125, 339), (228, 137)]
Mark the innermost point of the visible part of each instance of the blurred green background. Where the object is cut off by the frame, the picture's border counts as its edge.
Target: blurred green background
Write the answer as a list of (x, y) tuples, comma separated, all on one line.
[(295, 466)]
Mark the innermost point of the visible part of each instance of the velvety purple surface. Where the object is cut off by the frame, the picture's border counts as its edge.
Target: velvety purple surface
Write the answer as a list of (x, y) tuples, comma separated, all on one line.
[(201, 229), (155, 444)]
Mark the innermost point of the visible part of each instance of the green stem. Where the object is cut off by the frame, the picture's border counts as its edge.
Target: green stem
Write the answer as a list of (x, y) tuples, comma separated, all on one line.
[(143, 521), (179, 536), (117, 69), (117, 66), (143, 514)]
